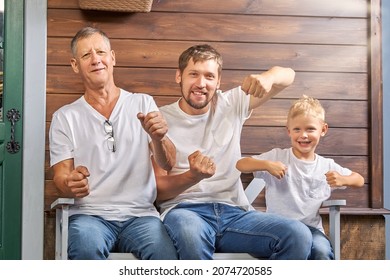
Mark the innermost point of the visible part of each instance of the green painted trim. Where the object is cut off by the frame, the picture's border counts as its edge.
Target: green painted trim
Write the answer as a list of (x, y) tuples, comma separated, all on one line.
[(13, 98)]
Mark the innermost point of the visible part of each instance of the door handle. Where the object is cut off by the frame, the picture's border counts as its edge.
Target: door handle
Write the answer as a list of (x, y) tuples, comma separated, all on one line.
[(13, 116)]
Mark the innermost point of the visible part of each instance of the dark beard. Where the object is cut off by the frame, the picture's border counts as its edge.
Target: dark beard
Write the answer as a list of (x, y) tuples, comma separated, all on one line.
[(195, 106)]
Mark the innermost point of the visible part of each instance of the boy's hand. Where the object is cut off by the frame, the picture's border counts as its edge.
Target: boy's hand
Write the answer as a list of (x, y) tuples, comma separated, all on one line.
[(334, 179), (277, 169)]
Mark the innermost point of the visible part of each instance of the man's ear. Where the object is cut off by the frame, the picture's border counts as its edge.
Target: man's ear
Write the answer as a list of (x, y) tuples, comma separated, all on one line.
[(178, 76), (324, 129), (73, 63), (113, 57), (219, 82)]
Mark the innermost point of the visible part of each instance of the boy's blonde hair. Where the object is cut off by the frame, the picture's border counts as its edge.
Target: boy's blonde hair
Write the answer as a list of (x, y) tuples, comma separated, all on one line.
[(306, 105)]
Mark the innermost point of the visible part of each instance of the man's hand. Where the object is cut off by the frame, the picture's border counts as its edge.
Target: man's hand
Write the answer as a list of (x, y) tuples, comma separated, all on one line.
[(154, 124), (258, 85), (201, 166), (77, 182), (262, 87)]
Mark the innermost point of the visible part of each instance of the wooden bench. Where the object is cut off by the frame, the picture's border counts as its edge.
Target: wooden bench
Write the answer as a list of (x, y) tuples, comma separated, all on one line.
[(252, 191)]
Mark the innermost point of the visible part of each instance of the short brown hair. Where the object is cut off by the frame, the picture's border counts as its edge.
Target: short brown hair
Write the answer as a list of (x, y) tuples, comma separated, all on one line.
[(200, 53)]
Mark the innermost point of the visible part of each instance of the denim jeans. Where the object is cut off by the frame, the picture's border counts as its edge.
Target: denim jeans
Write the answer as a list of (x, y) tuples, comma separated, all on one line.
[(199, 230), (321, 248), (93, 238)]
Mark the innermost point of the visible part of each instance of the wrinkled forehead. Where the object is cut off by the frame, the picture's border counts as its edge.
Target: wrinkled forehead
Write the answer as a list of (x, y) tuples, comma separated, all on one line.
[(92, 42)]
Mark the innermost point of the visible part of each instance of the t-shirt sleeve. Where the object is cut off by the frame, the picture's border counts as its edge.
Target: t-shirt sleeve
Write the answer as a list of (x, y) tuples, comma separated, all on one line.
[(61, 146), (270, 155), (238, 97), (333, 166)]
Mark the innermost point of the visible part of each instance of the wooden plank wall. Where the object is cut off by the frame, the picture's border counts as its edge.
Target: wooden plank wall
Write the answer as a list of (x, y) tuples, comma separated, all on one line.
[(325, 42)]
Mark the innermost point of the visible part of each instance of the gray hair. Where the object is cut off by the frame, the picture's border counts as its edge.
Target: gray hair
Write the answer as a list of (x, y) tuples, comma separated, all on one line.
[(85, 33)]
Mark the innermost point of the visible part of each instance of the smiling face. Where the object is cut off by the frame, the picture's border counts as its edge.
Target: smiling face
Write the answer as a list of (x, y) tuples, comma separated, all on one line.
[(199, 82), (94, 61), (305, 131)]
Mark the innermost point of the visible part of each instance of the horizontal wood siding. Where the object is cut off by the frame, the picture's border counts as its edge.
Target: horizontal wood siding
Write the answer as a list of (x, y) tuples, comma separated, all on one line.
[(327, 43), (324, 42)]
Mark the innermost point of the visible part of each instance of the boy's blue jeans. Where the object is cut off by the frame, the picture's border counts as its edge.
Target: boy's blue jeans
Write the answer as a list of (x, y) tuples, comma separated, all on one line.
[(321, 248), (198, 230), (92, 238)]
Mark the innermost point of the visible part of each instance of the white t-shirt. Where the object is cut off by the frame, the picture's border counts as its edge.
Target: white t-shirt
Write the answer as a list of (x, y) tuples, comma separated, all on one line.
[(300, 193), (122, 184), (216, 134)]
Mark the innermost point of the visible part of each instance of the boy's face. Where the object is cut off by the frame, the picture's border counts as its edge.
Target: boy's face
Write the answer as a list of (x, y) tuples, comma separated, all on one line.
[(305, 132), (198, 83)]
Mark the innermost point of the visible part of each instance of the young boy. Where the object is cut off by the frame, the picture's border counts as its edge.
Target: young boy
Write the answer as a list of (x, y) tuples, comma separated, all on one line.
[(297, 179)]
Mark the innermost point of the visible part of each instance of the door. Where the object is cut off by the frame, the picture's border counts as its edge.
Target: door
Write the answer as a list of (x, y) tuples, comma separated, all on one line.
[(11, 96)]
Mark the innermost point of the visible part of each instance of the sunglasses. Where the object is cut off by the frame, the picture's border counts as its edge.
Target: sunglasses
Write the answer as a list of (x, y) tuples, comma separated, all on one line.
[(109, 130)]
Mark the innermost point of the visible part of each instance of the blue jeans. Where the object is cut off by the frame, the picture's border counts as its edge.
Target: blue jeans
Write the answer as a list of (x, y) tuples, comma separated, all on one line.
[(321, 248), (199, 230), (93, 238)]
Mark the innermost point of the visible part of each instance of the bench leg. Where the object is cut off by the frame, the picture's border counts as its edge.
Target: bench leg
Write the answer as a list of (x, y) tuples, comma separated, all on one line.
[(62, 216), (334, 230)]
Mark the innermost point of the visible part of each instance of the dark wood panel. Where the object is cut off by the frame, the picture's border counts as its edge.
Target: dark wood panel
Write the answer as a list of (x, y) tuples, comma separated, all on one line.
[(49, 235), (250, 56), (322, 72), (355, 197), (51, 194), (338, 141), (247, 28), (340, 113), (48, 171), (377, 151), (336, 8), (54, 102), (161, 82), (348, 86), (333, 8), (363, 237), (358, 164), (62, 4), (62, 80)]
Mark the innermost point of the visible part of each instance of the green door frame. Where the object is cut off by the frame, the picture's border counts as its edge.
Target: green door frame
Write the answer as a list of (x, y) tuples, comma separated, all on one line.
[(11, 196)]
